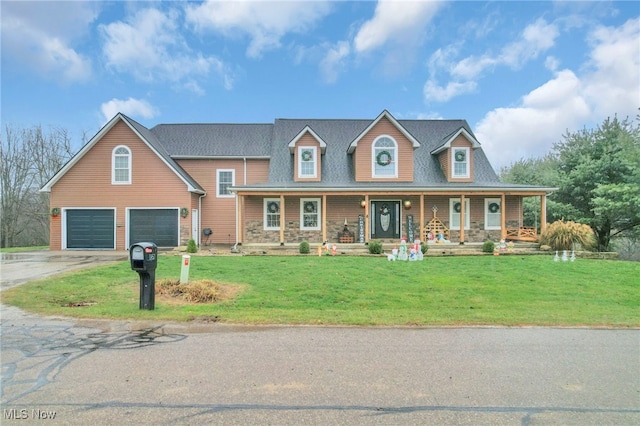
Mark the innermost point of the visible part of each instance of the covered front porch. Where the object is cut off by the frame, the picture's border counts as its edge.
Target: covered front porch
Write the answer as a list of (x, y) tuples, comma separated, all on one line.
[(379, 215)]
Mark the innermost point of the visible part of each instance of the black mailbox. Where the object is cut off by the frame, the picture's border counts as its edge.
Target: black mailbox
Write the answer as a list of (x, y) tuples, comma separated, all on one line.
[(144, 260), (144, 256)]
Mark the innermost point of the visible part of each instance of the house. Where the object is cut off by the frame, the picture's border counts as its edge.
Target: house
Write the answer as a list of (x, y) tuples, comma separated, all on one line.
[(293, 180)]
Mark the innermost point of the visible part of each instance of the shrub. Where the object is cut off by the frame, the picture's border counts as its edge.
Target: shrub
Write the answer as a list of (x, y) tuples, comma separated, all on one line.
[(191, 246), (488, 246), (561, 235), (424, 248), (304, 247), (375, 247)]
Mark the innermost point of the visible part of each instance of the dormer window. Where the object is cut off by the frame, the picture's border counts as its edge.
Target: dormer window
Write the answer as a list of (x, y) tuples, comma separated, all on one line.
[(307, 162), (460, 162), (384, 157)]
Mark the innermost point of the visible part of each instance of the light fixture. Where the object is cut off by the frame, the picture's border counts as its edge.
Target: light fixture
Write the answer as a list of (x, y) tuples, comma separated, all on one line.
[(407, 204), (363, 203)]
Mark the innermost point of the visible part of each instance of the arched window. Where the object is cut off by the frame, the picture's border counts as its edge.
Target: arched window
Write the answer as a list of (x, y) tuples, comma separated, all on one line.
[(121, 162), (384, 154)]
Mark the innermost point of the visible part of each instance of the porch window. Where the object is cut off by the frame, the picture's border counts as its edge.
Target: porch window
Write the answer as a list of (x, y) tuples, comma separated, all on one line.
[(226, 180), (271, 214), (460, 162), (384, 157), (492, 213), (307, 161), (310, 214), (455, 208), (121, 162)]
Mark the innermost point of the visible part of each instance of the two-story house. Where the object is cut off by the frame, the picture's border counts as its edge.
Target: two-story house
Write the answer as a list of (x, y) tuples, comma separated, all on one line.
[(288, 181)]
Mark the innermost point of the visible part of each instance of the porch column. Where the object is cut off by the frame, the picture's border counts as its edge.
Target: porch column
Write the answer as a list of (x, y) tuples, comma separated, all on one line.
[(543, 213), (366, 218), (282, 220), (324, 217), (503, 217), (240, 224), (462, 218), (421, 216)]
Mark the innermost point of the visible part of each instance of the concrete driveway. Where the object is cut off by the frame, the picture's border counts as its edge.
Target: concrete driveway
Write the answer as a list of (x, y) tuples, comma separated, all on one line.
[(105, 372)]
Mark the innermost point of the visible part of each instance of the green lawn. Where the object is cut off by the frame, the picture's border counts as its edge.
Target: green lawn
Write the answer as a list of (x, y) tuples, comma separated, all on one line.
[(474, 290)]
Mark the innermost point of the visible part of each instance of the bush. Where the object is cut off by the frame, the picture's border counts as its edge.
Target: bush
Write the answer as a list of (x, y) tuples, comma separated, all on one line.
[(424, 248), (191, 246), (375, 247), (561, 235), (488, 246), (304, 247)]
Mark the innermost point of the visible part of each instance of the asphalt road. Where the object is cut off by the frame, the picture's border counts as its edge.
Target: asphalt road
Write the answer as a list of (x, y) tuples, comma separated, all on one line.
[(106, 372)]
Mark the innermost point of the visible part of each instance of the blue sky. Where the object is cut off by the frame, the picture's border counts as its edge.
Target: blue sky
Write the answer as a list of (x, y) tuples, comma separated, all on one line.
[(521, 73)]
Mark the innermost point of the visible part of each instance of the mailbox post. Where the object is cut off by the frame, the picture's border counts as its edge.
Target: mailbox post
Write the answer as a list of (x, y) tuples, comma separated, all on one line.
[(144, 259)]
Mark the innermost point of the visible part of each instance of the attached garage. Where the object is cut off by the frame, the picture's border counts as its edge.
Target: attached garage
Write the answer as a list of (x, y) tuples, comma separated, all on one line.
[(90, 228), (159, 226)]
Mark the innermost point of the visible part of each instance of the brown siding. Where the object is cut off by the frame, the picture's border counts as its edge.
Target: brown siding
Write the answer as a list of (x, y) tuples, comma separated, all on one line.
[(219, 213), (88, 184), (363, 160), (307, 140)]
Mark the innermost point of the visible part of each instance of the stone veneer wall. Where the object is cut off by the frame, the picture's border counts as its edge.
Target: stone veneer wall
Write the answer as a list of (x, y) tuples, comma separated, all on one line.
[(255, 233)]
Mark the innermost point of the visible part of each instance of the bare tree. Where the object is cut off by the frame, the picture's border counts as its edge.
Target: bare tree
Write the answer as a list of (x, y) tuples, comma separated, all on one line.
[(29, 158)]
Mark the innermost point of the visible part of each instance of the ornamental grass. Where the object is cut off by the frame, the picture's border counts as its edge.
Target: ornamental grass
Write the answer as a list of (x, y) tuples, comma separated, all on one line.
[(569, 235)]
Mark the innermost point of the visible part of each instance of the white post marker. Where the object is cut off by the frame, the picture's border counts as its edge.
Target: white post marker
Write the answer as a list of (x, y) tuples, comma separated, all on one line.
[(184, 271)]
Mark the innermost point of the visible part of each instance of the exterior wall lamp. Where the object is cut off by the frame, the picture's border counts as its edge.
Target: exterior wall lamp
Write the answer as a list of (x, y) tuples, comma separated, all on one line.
[(363, 203), (407, 204)]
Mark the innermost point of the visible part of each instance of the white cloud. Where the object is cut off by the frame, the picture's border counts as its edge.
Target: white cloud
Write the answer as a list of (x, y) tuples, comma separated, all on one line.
[(434, 92), (333, 61), (150, 47), (266, 23), (610, 85), (397, 21), (42, 35), (131, 106)]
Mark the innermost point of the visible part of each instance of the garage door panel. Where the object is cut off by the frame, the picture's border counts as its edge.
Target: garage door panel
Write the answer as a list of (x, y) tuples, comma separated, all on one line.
[(90, 229), (159, 226)]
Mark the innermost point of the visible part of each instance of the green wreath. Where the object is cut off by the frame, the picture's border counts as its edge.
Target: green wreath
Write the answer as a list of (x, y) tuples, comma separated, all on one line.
[(494, 207), (272, 207), (460, 155), (383, 158), (307, 155), (457, 207), (309, 207)]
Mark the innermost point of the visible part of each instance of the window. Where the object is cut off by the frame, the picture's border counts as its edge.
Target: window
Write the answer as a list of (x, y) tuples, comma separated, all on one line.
[(455, 208), (121, 162), (307, 160), (225, 181), (271, 213), (492, 214), (460, 162), (384, 152), (310, 213)]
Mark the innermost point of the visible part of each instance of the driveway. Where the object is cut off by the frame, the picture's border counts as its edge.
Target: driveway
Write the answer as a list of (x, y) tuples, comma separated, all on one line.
[(105, 372)]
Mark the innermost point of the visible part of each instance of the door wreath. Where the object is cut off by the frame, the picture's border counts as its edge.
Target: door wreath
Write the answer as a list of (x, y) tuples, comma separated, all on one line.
[(383, 158)]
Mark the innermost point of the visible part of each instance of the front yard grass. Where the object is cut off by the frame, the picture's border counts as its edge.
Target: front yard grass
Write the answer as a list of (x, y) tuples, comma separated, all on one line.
[(348, 290)]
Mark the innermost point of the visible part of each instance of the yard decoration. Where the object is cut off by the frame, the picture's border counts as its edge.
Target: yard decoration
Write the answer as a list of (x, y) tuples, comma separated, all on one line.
[(419, 254), (402, 254)]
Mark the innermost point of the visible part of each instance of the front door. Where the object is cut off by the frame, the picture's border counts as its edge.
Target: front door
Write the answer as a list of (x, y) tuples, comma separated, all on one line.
[(385, 219)]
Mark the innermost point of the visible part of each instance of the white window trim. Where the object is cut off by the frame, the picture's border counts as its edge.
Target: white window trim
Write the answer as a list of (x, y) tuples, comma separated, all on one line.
[(302, 213), (467, 153), (394, 156), (314, 151), (487, 202), (266, 203), (233, 182), (467, 214), (113, 166)]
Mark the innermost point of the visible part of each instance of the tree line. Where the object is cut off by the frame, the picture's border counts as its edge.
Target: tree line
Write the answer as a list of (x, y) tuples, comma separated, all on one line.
[(596, 171)]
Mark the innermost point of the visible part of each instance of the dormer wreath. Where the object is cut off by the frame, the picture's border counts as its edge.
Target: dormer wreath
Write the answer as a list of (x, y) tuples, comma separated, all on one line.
[(307, 155), (383, 158), (460, 156)]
